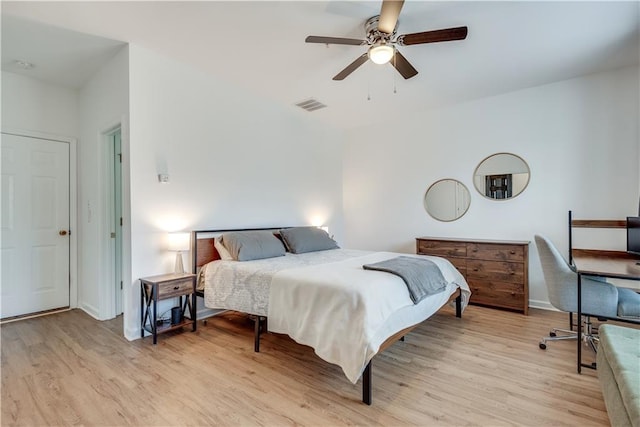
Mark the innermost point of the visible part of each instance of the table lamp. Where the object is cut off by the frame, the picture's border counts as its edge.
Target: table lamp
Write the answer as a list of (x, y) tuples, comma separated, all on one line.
[(179, 242)]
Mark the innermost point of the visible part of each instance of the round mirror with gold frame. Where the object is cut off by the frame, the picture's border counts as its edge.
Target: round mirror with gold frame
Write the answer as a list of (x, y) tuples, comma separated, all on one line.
[(447, 200), (501, 176)]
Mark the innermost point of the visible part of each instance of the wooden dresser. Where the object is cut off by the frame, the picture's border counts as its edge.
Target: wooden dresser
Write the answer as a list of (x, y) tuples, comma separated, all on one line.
[(497, 271)]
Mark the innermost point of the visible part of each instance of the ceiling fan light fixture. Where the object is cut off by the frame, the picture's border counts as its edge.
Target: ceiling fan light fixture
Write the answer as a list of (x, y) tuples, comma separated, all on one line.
[(381, 53)]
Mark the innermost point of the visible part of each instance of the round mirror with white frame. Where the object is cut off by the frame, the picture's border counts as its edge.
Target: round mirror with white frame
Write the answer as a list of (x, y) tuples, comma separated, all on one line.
[(447, 200), (501, 176)]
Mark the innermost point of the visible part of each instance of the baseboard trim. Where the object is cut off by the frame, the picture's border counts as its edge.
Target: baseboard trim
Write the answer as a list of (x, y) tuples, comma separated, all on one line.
[(543, 305), (90, 310), (33, 315), (132, 334)]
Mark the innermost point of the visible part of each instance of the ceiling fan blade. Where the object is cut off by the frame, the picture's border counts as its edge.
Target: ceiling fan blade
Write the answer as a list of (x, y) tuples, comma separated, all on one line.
[(389, 13), (334, 40), (448, 34), (352, 67), (403, 66)]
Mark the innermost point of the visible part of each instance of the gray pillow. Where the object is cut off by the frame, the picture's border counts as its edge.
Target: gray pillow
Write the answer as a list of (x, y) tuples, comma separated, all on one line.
[(307, 239), (249, 245)]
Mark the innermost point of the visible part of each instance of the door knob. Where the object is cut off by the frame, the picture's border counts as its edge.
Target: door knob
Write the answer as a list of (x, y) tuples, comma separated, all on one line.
[(63, 232)]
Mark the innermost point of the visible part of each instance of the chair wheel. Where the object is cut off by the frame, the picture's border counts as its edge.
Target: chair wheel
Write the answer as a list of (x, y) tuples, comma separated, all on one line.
[(552, 334), (543, 346)]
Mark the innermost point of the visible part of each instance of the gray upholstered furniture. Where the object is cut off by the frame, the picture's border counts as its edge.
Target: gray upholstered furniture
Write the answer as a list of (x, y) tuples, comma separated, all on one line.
[(599, 298), (618, 362)]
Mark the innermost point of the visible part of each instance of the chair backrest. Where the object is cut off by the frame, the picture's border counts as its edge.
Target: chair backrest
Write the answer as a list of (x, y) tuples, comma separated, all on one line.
[(560, 279)]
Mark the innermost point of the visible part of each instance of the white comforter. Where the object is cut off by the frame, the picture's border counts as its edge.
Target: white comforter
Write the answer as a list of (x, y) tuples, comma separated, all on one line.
[(327, 300), (345, 312)]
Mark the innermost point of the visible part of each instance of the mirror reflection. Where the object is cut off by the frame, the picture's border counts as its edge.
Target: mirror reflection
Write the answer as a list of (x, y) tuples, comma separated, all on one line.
[(501, 176), (447, 200)]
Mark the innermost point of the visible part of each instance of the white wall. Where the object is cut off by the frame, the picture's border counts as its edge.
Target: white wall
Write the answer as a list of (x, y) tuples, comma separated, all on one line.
[(34, 105), (104, 103), (579, 137), (234, 161)]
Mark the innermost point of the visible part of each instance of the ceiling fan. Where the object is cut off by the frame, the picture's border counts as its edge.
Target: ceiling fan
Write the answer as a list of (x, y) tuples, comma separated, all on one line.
[(382, 41)]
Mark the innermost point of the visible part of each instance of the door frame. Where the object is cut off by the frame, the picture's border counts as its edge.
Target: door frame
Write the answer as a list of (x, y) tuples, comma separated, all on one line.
[(73, 202)]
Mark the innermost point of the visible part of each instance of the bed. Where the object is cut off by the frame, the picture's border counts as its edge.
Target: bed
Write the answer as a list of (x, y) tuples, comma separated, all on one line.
[(322, 298)]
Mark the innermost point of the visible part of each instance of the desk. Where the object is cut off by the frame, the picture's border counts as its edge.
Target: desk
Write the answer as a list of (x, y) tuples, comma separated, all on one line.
[(609, 264)]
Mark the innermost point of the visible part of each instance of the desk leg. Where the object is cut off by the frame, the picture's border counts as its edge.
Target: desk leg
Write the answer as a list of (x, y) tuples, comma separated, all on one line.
[(195, 309), (579, 340), (155, 314)]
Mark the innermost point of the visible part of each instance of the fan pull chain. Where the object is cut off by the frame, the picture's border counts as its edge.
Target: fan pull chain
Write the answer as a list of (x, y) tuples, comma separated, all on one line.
[(369, 83), (394, 74)]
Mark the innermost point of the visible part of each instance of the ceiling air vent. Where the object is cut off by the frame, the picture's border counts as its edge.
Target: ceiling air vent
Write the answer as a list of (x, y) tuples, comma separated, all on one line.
[(311, 105)]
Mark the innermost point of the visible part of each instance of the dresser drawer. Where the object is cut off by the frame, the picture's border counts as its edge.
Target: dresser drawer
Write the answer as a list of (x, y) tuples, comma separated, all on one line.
[(497, 294), (460, 264), (442, 248), (489, 271), (495, 252), (175, 288)]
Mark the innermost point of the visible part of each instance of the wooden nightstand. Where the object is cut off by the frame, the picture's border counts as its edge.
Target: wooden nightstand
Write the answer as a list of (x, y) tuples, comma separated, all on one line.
[(156, 288)]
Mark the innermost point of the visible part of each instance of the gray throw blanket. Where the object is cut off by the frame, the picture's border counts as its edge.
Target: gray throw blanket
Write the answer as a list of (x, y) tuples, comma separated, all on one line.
[(423, 277)]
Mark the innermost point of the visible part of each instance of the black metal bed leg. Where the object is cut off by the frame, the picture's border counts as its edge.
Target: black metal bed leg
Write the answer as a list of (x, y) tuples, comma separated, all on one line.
[(459, 304), (570, 321), (366, 384), (256, 341)]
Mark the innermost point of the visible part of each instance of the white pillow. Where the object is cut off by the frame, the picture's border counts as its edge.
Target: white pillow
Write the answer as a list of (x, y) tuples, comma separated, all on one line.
[(222, 251)]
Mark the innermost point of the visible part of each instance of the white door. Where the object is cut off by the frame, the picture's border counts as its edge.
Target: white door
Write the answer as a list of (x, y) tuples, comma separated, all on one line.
[(35, 225)]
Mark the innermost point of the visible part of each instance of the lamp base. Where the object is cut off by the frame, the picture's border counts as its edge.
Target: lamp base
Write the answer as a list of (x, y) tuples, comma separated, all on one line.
[(179, 268)]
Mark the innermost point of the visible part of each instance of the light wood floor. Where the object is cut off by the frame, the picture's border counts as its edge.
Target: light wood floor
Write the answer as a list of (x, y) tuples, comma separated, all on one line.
[(484, 369)]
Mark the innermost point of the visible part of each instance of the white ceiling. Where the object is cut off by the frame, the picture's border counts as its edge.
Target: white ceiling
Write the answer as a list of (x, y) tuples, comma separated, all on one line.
[(60, 56), (260, 46)]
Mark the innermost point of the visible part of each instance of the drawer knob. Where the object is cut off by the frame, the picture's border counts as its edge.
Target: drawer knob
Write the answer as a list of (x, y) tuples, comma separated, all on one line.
[(513, 252), (175, 288), (475, 269)]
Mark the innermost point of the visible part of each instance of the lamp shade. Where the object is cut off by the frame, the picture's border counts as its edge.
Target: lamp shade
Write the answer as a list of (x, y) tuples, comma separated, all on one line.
[(178, 241)]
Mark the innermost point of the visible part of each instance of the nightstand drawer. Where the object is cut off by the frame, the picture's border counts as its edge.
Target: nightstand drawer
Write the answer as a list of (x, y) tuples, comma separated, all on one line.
[(175, 288)]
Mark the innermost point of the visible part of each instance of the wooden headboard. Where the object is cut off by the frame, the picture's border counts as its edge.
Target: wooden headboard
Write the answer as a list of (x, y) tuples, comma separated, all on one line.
[(203, 250)]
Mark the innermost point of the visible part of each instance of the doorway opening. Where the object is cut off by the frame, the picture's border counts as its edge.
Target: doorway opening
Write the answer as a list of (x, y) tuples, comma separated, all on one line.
[(114, 142)]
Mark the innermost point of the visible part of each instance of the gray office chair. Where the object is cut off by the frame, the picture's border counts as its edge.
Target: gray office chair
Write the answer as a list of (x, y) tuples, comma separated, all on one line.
[(599, 298)]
